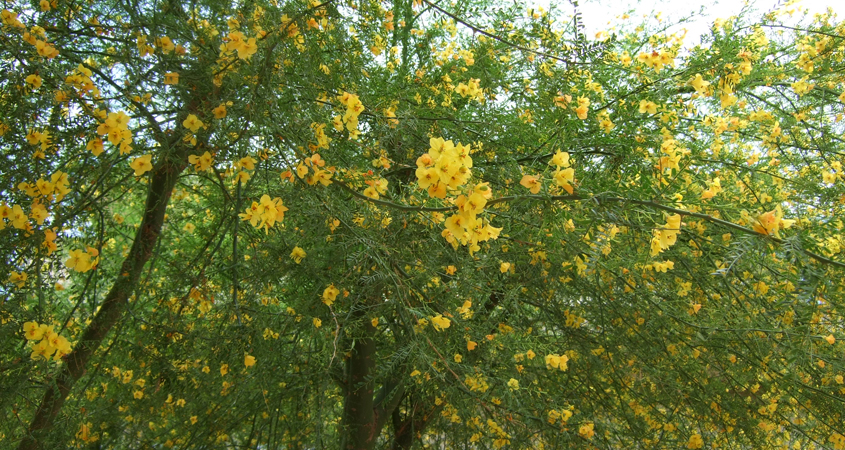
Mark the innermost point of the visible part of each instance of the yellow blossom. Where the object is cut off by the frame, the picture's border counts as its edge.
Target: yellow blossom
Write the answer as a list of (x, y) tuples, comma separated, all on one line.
[(330, 294), (142, 164), (440, 323), (297, 254)]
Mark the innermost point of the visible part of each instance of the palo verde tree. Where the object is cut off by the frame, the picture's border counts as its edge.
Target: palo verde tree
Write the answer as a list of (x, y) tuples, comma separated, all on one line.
[(410, 224)]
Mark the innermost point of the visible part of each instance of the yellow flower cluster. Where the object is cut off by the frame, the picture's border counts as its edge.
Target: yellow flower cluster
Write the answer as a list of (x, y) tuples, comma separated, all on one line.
[(55, 189), (562, 415), (564, 175), (144, 48), (116, 126), (672, 154), (714, 187), (666, 236), (695, 441), (15, 215), (46, 342), (316, 163), (201, 163), (661, 267), (657, 59), (33, 37), (375, 188), (237, 41), (11, 19), (583, 107), (587, 430), (445, 168), (476, 382), (354, 108), (555, 361), (771, 222), (470, 89), (83, 261), (502, 437), (40, 138), (265, 213)]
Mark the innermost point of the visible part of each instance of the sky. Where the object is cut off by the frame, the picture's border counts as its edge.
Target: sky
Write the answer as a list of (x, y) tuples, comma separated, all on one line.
[(597, 13)]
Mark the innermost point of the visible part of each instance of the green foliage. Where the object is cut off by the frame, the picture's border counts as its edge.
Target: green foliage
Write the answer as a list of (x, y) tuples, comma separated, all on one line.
[(413, 224)]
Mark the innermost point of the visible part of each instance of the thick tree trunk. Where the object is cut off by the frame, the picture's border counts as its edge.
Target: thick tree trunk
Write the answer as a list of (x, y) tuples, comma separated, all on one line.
[(364, 413), (358, 415), (161, 186)]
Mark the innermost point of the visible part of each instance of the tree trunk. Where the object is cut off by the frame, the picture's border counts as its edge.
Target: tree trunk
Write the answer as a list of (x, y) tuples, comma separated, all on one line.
[(365, 414), (162, 183)]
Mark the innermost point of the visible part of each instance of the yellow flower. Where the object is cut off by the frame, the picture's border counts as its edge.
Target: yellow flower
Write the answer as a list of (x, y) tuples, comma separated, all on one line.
[(330, 294), (586, 431), (513, 384), (142, 164), (555, 361), (81, 261), (224, 369), (504, 267), (219, 112), (564, 178), (34, 81), (440, 323), (192, 123), (297, 254), (830, 339), (374, 322), (201, 163), (249, 360), (699, 84), (647, 107), (531, 183), (317, 322), (771, 222), (695, 441), (18, 279), (32, 331), (471, 345), (583, 107), (371, 193), (560, 159), (171, 78)]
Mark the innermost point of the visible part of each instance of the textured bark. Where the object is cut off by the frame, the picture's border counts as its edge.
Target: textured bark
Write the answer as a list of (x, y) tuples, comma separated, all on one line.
[(359, 420), (161, 186), (364, 412)]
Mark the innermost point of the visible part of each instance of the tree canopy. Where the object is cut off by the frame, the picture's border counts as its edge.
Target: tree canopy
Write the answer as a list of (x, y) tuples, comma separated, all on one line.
[(418, 224)]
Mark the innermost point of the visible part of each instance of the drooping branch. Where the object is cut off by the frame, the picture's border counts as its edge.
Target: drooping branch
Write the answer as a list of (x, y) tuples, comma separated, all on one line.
[(596, 199)]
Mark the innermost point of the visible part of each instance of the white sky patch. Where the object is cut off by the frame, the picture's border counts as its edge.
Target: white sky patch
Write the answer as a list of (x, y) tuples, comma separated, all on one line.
[(601, 15)]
